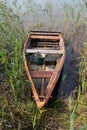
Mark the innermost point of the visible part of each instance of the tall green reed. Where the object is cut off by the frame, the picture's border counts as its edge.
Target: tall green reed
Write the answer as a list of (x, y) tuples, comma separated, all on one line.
[(83, 72), (11, 38), (73, 13), (72, 118)]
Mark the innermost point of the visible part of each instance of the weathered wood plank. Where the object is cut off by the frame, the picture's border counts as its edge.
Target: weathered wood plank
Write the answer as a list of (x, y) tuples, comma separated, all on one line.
[(45, 37), (41, 74), (44, 45), (44, 51), (47, 47), (47, 43)]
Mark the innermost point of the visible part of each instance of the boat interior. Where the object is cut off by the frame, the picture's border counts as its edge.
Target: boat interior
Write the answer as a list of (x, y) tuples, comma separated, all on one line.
[(43, 53)]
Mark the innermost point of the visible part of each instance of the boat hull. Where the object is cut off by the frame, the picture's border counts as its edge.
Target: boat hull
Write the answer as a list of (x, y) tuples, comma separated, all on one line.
[(50, 44)]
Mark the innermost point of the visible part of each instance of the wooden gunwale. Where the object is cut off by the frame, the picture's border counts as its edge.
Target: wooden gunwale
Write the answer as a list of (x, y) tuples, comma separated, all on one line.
[(28, 73)]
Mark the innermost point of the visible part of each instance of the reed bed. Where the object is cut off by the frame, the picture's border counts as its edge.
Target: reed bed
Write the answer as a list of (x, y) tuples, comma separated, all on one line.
[(17, 108)]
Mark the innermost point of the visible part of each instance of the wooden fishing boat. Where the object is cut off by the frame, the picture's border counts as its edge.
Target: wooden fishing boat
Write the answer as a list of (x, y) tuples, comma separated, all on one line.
[(44, 55)]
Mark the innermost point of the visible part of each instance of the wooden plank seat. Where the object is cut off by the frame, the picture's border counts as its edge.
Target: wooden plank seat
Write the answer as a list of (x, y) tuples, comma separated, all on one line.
[(45, 43), (45, 51), (45, 37), (41, 74)]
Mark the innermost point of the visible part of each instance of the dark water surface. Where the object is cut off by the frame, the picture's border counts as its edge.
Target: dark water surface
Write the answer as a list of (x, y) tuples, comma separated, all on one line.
[(69, 79)]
